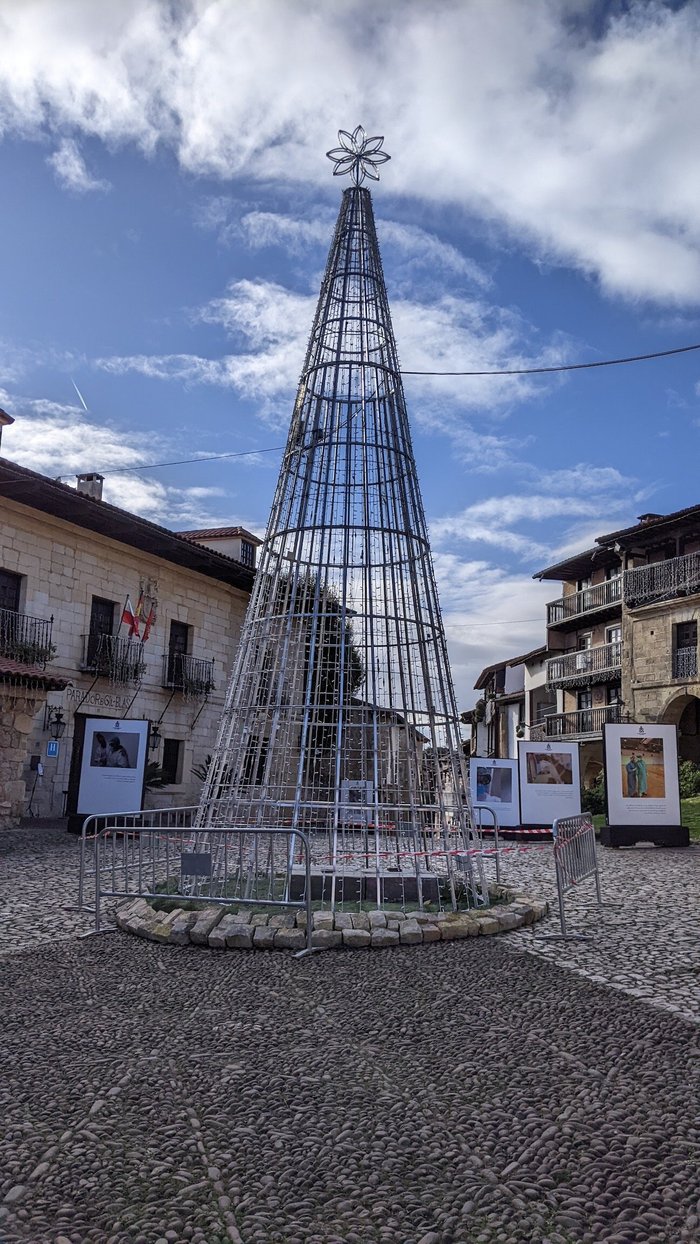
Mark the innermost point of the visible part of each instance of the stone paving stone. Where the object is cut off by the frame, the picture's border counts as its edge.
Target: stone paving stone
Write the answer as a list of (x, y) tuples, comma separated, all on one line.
[(648, 947), (457, 1092)]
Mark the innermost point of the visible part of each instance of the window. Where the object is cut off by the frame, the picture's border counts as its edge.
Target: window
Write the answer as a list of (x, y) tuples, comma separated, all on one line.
[(613, 634), (171, 763), (101, 623), (248, 553), (614, 694), (583, 643), (685, 650), (10, 585), (584, 704), (178, 647)]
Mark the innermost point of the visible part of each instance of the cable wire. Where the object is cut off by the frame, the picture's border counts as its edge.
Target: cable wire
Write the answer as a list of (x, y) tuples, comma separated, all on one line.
[(534, 371)]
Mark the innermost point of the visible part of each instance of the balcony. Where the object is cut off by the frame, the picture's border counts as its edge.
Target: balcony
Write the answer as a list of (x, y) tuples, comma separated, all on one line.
[(685, 663), (24, 639), (585, 722), (678, 576), (602, 596), (191, 675), (109, 656), (585, 666)]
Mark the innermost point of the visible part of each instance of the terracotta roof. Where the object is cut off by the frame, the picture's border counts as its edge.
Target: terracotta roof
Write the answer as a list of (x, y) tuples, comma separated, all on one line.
[(652, 523), (27, 487), (220, 533), (14, 671)]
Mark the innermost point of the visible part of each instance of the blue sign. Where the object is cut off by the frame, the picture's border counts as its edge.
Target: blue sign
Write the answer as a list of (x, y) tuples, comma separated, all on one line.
[(52, 747)]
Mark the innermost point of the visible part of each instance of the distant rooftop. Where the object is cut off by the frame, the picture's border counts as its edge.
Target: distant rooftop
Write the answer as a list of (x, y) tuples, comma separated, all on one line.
[(221, 533)]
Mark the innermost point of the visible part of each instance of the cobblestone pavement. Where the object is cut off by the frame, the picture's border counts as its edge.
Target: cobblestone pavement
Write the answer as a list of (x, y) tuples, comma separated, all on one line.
[(455, 1094), (648, 946)]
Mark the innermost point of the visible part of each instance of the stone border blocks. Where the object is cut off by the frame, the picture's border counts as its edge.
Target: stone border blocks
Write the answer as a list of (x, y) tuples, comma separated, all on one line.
[(249, 929)]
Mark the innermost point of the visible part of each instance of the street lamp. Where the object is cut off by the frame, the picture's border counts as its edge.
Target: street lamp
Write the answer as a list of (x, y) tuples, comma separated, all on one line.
[(55, 723)]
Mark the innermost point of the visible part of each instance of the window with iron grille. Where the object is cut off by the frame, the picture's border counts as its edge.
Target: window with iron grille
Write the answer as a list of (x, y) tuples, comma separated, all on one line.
[(685, 650), (178, 647)]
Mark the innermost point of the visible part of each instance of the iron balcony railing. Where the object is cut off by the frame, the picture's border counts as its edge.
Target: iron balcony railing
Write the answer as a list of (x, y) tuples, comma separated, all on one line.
[(191, 675), (24, 639), (582, 721), (685, 663), (585, 666), (678, 576), (110, 656), (600, 596)]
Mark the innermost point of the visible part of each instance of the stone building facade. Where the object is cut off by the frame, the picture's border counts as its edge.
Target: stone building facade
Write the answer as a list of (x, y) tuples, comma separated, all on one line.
[(622, 645), (68, 564)]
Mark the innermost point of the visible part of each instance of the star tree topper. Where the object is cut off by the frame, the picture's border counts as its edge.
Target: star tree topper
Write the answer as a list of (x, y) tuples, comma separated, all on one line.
[(358, 155)]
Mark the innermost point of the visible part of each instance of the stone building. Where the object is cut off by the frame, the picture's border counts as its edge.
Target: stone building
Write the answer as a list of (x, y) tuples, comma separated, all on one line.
[(624, 634), (68, 564), (622, 644)]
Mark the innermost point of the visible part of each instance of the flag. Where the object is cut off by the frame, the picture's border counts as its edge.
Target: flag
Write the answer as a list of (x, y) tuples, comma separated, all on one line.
[(150, 621), (130, 618)]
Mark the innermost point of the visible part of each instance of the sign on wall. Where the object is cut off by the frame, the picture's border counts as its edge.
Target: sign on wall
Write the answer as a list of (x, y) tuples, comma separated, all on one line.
[(641, 775), (113, 765), (550, 783), (494, 783)]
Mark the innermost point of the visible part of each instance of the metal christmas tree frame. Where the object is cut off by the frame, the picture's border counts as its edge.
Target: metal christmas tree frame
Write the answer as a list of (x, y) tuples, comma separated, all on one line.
[(340, 719)]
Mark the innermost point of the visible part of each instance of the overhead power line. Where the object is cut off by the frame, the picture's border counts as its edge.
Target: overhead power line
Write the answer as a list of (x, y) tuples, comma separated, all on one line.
[(510, 371), (534, 371)]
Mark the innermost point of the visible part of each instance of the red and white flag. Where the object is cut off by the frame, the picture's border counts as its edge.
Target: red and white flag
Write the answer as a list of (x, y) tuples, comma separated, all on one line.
[(130, 618), (150, 622)]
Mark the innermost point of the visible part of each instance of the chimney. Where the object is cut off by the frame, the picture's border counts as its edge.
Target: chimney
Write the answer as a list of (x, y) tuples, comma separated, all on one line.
[(90, 485), (649, 518)]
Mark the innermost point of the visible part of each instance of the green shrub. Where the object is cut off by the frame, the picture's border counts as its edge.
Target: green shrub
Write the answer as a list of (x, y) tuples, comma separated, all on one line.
[(593, 796), (689, 777)]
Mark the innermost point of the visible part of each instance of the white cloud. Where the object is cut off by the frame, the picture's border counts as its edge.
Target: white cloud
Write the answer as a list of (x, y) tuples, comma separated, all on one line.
[(489, 615), (61, 441), (581, 142), (71, 171)]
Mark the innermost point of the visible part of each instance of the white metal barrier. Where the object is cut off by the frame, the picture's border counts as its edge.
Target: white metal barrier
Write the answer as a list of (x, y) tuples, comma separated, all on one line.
[(575, 861)]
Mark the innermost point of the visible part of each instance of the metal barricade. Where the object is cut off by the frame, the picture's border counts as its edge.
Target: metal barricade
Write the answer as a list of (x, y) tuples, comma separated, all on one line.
[(478, 808), (575, 861), (216, 866), (129, 826)]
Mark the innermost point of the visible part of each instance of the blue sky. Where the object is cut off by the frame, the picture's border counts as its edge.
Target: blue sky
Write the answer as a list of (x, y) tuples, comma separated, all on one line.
[(167, 209)]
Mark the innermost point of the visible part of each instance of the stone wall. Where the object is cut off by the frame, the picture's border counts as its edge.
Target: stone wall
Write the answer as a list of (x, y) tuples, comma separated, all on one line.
[(63, 567), (17, 709)]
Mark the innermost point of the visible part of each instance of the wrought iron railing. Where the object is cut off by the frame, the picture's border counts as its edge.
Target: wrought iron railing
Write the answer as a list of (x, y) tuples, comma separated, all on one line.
[(110, 656), (685, 662), (192, 675), (599, 596), (582, 721), (586, 665), (24, 639), (677, 576)]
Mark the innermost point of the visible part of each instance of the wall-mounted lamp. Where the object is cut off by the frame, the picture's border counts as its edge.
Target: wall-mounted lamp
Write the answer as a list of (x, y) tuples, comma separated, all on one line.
[(153, 738), (53, 722)]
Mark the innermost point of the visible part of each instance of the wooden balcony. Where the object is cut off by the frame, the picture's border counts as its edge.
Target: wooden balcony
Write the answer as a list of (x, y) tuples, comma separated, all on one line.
[(24, 639), (584, 723), (585, 666), (677, 576), (602, 597)]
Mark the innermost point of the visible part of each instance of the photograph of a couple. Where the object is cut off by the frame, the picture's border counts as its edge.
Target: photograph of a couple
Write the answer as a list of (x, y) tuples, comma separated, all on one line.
[(642, 768), (550, 768), (115, 751)]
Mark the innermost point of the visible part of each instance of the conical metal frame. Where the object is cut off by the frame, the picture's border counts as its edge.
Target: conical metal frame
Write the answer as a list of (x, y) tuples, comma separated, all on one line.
[(340, 718)]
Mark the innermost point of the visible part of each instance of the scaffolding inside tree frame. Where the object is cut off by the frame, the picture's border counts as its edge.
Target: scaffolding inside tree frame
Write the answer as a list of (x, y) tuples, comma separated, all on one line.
[(340, 719)]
